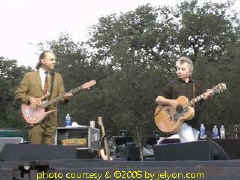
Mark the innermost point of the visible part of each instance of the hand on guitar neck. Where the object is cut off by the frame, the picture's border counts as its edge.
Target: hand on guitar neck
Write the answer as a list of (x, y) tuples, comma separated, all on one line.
[(160, 100), (208, 94), (35, 112), (86, 86), (67, 95), (171, 113)]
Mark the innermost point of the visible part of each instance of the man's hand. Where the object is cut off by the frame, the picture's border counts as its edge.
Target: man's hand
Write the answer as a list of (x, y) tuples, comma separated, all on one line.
[(35, 101), (67, 95), (207, 94), (174, 103), (165, 101), (158, 99)]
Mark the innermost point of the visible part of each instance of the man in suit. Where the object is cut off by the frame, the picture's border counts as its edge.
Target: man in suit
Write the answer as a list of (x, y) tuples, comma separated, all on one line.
[(41, 85)]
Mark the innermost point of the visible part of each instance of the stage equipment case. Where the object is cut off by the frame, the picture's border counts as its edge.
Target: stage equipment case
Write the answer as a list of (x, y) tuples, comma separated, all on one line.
[(84, 137)]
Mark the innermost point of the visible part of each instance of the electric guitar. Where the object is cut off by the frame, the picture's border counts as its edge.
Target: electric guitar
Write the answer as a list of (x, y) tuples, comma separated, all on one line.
[(169, 119), (34, 115)]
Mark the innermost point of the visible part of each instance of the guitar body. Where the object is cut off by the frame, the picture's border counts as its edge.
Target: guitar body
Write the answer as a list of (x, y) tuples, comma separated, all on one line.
[(169, 119), (33, 115)]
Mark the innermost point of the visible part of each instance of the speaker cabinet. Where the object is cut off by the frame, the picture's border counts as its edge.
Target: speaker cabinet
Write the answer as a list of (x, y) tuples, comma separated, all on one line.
[(198, 150), (36, 152)]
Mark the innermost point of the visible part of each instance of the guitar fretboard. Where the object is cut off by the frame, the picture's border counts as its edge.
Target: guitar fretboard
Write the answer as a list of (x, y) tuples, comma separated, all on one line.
[(60, 98), (196, 99), (216, 89)]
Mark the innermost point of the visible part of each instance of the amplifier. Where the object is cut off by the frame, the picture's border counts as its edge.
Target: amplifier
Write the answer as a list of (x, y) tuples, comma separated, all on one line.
[(83, 137)]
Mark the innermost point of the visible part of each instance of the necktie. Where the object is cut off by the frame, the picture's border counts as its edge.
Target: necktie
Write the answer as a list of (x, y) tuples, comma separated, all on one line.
[(45, 89)]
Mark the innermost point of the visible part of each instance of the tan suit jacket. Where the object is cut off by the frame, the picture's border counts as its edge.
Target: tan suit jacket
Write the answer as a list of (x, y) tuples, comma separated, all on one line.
[(31, 86)]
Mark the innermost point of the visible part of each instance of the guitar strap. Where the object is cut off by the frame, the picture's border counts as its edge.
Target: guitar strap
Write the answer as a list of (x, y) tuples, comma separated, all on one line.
[(194, 91), (52, 81)]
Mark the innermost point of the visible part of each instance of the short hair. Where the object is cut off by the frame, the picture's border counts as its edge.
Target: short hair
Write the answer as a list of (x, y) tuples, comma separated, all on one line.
[(187, 60), (42, 56)]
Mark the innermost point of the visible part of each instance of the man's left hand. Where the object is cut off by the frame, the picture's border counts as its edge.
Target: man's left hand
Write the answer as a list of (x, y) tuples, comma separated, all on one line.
[(207, 94), (68, 95)]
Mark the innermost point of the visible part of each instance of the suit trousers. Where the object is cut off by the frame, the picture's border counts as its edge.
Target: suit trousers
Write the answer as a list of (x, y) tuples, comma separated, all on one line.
[(44, 132)]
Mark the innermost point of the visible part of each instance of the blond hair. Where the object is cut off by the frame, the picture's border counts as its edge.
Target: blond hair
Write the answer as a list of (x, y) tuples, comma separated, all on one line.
[(187, 60)]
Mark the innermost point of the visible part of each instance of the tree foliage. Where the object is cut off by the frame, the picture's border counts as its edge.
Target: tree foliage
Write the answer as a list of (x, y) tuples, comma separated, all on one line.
[(132, 56), (10, 75)]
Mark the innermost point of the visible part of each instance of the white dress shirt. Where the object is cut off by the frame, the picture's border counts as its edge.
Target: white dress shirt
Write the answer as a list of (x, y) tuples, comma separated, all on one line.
[(42, 76)]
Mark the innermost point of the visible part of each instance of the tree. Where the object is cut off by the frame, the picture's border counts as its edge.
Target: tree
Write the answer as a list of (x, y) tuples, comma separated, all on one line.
[(138, 47), (209, 34), (206, 28), (10, 75), (132, 56)]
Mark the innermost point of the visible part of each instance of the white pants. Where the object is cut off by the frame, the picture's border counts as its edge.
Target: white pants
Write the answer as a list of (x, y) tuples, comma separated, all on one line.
[(187, 133)]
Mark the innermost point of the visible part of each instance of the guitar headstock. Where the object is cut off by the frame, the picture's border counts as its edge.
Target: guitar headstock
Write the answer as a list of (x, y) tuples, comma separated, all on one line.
[(99, 121), (88, 84), (219, 88)]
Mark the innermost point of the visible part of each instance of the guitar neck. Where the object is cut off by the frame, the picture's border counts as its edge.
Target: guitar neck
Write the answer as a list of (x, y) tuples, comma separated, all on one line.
[(217, 89), (53, 101), (100, 123), (60, 98), (196, 99), (75, 90)]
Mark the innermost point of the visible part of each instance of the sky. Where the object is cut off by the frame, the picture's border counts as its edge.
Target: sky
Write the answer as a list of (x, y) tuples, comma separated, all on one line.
[(25, 23)]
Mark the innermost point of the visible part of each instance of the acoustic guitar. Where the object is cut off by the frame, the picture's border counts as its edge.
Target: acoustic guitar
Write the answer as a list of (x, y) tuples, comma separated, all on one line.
[(34, 115), (169, 119), (104, 151)]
